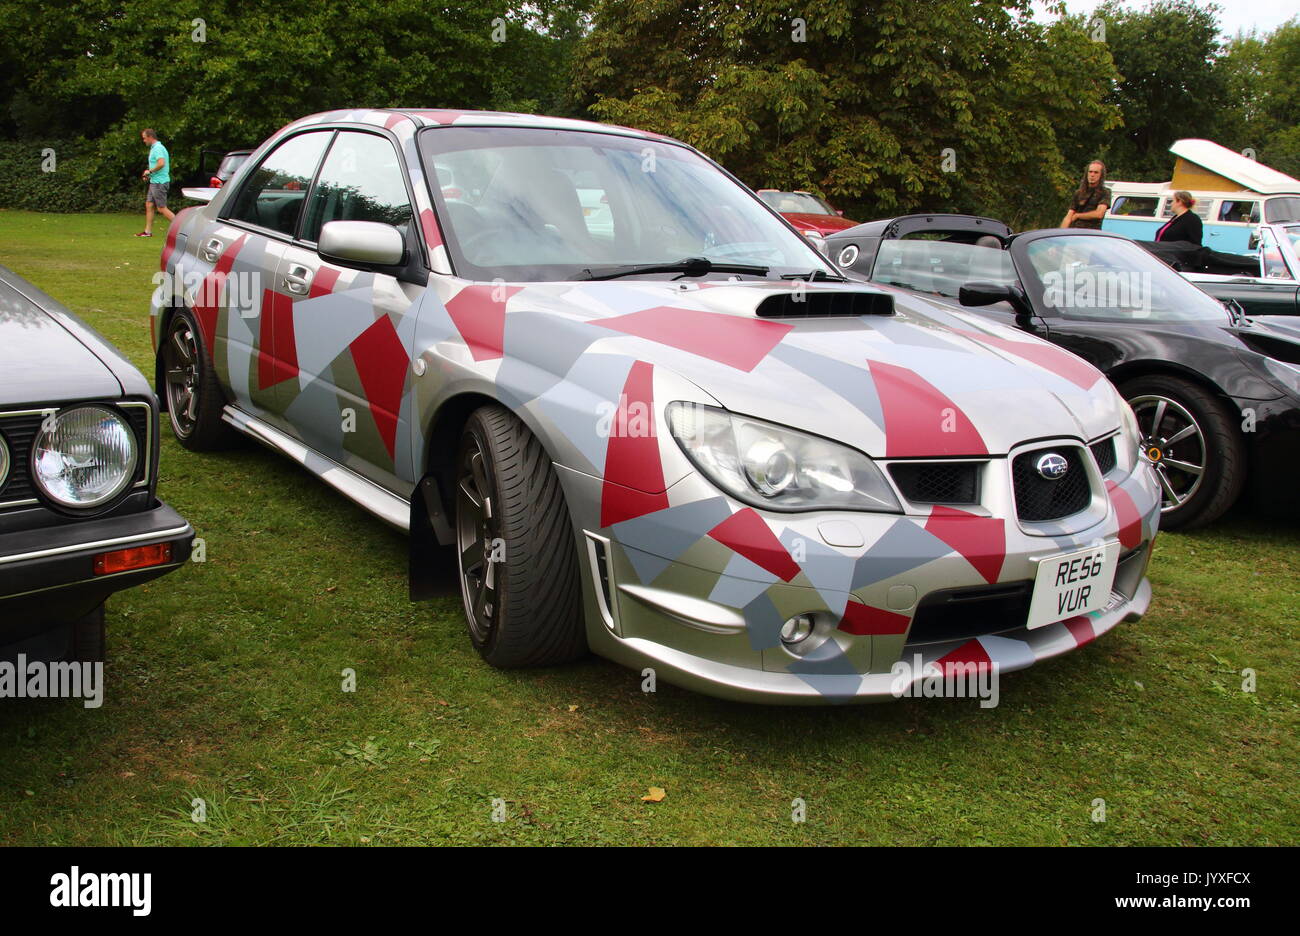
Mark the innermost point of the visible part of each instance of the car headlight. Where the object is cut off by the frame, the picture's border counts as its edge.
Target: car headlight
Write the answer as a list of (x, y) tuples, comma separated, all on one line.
[(777, 468), (84, 456)]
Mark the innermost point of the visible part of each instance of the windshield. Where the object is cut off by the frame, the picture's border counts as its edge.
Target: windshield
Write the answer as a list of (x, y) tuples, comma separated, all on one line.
[(1093, 277), (795, 203), (940, 267), (1293, 235), (528, 204)]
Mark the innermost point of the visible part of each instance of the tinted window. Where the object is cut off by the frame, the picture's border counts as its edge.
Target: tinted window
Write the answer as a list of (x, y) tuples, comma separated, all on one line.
[(361, 180), (272, 196)]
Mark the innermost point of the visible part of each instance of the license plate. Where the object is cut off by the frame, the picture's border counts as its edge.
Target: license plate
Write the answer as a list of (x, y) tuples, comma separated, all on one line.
[(1073, 583)]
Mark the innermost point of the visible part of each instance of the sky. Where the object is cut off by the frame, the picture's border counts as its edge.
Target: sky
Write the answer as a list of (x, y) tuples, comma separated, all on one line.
[(1234, 15)]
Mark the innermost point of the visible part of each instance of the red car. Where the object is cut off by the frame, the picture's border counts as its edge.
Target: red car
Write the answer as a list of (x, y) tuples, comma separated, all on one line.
[(810, 214)]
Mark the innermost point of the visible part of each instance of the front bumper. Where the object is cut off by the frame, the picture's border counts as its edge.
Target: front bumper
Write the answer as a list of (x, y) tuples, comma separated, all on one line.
[(48, 578), (698, 591)]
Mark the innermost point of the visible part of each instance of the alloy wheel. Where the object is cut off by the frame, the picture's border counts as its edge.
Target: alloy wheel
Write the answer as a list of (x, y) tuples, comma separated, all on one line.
[(181, 377), (476, 538), (1174, 444)]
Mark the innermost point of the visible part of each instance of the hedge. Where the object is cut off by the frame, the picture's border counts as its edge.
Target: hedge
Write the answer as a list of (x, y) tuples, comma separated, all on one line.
[(77, 182)]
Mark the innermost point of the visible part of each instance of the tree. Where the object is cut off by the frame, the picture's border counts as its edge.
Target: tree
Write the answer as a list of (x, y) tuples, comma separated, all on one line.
[(1170, 87), (880, 106)]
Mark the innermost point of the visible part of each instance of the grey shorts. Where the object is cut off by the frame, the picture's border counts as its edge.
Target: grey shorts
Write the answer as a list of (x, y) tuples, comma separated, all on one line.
[(158, 193)]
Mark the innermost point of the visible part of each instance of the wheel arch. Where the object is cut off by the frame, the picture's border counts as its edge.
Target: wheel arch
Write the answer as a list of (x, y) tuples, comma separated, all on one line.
[(1130, 370), (432, 507)]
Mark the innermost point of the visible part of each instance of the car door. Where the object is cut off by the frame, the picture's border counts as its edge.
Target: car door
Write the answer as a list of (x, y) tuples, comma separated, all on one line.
[(349, 330), (245, 248)]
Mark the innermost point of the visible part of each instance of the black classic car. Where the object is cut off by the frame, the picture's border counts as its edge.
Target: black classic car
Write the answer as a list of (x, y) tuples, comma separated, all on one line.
[(79, 516), (1216, 393)]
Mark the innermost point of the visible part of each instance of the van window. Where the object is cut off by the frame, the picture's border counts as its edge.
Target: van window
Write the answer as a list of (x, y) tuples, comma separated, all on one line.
[(1202, 207), (1137, 206), (1239, 212), (1277, 210)]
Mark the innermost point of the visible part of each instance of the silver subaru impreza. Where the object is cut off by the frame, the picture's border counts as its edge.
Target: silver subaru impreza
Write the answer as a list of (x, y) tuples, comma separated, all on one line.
[(652, 420)]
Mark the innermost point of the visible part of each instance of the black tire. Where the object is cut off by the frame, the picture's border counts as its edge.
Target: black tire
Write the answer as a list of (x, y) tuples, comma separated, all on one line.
[(515, 551), (188, 386), (88, 638), (1196, 430)]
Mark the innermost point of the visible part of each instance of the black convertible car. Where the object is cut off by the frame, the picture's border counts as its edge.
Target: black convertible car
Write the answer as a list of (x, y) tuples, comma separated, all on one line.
[(1216, 394), (79, 515)]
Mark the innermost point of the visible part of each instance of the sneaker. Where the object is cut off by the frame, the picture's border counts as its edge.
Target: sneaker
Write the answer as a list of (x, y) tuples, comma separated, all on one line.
[(145, 234)]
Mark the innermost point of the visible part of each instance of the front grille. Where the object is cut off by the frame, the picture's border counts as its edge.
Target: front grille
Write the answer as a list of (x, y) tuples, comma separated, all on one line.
[(1104, 452), (937, 482), (962, 613), (1038, 498), (20, 431)]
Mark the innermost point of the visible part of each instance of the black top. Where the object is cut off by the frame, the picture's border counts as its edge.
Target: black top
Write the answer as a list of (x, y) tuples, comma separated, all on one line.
[(1184, 227), (1094, 198)]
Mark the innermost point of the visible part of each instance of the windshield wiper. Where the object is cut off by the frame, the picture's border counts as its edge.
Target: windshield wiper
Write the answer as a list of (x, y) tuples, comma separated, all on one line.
[(813, 275), (690, 266)]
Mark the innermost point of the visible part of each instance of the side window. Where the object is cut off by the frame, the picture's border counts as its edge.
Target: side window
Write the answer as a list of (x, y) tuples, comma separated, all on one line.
[(1282, 209), (1240, 212), (361, 180), (1135, 206), (273, 194), (1270, 257)]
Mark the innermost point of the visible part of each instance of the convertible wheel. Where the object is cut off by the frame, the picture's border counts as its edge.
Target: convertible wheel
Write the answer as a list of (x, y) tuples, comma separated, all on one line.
[(1193, 443), (190, 390), (517, 559)]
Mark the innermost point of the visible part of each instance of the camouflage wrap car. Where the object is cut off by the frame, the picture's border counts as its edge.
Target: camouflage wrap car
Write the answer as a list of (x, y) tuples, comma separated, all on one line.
[(673, 433)]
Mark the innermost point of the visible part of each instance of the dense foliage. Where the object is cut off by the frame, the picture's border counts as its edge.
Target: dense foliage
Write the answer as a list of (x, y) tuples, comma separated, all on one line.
[(881, 105)]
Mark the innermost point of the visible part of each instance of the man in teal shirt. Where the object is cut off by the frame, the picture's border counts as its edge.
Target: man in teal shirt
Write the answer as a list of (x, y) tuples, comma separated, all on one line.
[(159, 178)]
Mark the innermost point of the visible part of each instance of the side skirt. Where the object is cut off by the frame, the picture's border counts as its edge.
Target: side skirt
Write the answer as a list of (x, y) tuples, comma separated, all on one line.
[(363, 492)]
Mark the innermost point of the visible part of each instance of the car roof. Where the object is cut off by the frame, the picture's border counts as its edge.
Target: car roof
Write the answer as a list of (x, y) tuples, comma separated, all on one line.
[(436, 117)]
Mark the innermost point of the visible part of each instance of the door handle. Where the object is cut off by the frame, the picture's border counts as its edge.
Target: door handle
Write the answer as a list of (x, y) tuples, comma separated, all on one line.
[(297, 279), (211, 251)]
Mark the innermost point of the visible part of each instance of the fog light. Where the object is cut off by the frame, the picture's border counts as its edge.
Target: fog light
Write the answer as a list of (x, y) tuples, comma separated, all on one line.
[(796, 630)]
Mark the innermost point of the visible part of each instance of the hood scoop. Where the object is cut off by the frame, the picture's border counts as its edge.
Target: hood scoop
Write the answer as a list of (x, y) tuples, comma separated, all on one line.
[(825, 303)]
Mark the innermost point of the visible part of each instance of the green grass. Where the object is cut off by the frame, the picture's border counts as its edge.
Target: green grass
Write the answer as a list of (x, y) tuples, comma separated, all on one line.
[(224, 684)]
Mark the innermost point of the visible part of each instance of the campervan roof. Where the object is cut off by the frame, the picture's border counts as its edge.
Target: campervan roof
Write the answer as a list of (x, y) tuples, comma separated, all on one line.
[(1249, 174)]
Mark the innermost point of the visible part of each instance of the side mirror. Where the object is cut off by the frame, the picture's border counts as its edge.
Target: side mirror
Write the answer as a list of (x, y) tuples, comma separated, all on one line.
[(984, 294), (1253, 243), (362, 244)]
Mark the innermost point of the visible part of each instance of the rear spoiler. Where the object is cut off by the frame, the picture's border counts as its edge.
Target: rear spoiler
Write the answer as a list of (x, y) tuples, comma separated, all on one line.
[(200, 194)]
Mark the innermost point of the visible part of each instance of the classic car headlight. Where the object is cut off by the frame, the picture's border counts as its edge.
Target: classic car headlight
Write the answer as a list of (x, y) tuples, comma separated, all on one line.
[(84, 456), (777, 468)]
